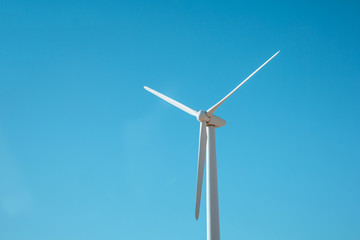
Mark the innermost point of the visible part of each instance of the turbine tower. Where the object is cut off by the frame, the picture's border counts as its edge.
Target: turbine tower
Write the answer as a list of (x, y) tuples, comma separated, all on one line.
[(208, 123)]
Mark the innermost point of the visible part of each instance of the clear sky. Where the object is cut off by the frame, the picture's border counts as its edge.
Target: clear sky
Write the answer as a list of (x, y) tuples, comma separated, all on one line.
[(87, 153)]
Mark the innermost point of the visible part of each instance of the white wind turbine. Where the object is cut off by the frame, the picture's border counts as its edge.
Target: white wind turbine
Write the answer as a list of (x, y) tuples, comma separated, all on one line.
[(208, 123)]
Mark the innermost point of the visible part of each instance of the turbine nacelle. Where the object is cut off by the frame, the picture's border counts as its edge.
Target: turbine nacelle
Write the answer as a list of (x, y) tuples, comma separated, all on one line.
[(213, 120)]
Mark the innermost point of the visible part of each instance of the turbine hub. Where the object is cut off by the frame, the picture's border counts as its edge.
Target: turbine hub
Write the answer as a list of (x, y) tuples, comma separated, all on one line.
[(202, 117), (210, 121)]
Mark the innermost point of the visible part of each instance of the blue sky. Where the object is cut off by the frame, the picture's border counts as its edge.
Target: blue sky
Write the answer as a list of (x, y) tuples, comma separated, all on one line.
[(87, 153)]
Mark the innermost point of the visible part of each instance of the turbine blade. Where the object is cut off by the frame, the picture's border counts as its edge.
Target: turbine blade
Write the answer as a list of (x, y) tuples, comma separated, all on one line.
[(201, 163), (211, 110), (172, 101)]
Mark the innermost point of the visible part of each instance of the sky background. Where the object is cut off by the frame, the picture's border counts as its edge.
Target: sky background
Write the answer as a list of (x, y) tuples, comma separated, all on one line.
[(87, 153)]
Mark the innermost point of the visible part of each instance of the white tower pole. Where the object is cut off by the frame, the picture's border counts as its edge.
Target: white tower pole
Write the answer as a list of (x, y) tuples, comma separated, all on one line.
[(212, 200)]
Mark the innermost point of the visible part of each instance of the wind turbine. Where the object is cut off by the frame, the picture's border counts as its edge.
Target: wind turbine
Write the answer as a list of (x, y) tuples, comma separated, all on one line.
[(208, 123)]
